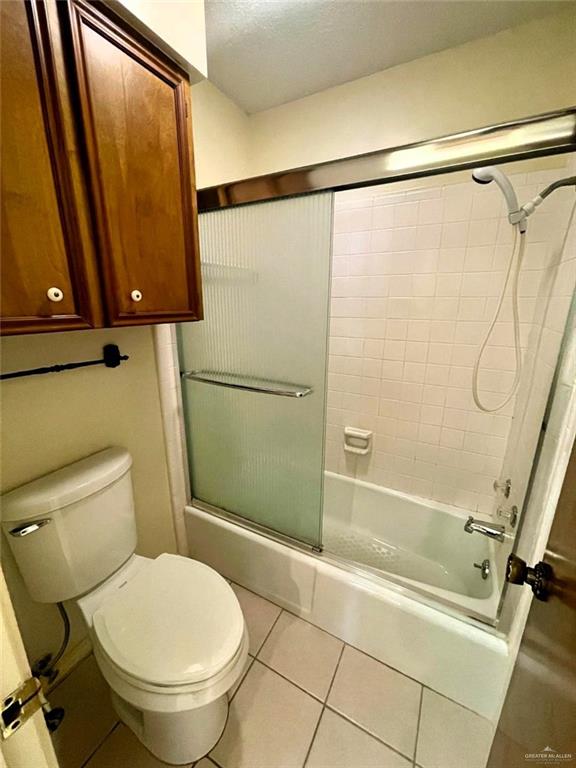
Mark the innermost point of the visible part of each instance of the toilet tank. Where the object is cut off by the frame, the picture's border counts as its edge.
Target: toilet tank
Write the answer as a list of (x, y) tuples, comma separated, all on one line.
[(73, 528)]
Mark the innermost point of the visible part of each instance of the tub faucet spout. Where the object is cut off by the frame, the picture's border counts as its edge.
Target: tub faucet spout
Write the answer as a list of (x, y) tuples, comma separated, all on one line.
[(491, 530)]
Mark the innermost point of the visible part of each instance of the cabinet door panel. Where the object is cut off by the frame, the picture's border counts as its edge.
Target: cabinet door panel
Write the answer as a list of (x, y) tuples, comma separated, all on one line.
[(135, 107), (41, 247)]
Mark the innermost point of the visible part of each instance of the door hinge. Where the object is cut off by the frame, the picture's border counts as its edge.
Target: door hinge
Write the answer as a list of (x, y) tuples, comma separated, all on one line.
[(20, 705)]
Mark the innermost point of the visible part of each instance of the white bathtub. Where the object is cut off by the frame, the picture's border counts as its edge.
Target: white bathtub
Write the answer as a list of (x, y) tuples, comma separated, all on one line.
[(390, 621), (421, 544)]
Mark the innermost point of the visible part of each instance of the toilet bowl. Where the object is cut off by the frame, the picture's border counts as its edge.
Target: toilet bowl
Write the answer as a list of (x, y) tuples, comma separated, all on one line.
[(170, 640), (168, 633)]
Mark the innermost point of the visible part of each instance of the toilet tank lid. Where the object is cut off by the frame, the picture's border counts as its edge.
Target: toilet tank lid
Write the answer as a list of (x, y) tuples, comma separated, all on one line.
[(66, 485)]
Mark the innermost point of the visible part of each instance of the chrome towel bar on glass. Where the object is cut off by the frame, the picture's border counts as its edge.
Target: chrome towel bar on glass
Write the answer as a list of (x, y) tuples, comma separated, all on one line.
[(248, 383)]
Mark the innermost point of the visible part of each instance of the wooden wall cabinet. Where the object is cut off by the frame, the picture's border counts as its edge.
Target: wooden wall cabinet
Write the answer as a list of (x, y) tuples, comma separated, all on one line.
[(99, 220)]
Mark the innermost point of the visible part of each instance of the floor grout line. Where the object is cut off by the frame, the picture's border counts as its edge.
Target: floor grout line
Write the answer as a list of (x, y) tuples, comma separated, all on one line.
[(367, 732), (418, 725), (324, 705), (101, 744), (263, 643), (288, 680), (244, 676)]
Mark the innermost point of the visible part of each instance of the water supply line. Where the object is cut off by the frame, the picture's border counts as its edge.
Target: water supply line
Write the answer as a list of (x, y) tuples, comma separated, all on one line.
[(517, 216), (46, 666)]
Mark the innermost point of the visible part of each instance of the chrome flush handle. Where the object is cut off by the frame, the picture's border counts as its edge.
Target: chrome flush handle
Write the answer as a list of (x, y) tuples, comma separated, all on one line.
[(27, 528)]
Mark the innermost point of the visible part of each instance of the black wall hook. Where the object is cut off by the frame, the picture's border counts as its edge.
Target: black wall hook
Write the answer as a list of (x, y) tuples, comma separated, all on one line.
[(111, 359)]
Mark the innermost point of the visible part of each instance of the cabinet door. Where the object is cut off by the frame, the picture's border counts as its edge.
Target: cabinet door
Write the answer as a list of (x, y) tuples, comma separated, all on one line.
[(47, 281), (136, 121)]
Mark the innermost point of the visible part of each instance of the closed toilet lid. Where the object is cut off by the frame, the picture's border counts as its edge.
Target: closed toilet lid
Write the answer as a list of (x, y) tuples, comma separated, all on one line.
[(176, 622)]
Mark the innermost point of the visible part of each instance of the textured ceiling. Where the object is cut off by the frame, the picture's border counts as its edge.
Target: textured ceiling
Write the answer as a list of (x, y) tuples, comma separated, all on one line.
[(262, 53)]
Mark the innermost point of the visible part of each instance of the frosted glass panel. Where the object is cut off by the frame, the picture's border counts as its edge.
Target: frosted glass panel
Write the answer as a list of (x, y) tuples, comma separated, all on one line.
[(255, 404)]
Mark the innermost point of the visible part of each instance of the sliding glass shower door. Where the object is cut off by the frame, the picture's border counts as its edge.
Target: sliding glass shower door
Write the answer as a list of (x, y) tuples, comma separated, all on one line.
[(255, 368)]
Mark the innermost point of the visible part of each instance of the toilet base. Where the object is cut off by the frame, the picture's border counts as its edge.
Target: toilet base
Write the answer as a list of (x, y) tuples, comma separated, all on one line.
[(177, 738)]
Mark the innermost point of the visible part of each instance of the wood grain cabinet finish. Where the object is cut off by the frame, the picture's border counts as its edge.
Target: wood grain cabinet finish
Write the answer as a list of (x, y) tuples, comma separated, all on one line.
[(135, 115), (48, 277)]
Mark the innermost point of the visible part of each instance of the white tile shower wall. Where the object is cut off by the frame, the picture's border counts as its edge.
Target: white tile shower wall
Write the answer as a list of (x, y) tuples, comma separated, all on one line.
[(555, 296), (416, 278)]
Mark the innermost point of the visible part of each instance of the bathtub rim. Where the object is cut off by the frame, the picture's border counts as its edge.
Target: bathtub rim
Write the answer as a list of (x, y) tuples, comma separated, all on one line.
[(449, 509), (368, 579)]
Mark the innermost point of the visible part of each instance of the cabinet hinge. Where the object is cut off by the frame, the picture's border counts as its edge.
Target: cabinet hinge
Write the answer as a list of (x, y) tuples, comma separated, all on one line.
[(20, 705)]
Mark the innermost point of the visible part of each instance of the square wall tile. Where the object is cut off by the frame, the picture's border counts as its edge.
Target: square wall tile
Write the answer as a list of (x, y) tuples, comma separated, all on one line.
[(381, 700), (303, 653), (451, 736)]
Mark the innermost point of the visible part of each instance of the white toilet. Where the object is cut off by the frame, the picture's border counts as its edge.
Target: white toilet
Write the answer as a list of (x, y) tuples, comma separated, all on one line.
[(168, 634)]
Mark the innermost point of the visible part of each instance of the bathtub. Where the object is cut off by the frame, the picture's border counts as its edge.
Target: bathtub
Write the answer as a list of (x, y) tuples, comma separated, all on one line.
[(394, 619), (418, 543)]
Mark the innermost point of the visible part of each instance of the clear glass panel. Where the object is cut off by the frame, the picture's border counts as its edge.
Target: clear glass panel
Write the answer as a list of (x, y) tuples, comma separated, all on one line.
[(255, 399)]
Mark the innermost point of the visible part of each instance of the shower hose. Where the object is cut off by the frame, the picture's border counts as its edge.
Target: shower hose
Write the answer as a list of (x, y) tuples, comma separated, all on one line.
[(514, 267)]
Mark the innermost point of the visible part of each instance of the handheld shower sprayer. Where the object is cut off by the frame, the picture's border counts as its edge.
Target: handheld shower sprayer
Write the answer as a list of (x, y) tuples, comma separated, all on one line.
[(488, 174), (517, 216)]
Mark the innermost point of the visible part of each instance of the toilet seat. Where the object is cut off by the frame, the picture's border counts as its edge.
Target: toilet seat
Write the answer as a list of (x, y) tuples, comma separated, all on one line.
[(175, 627)]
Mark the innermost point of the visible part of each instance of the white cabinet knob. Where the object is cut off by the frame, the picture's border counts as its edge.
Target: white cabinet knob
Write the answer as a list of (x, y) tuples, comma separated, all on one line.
[(136, 296), (55, 294)]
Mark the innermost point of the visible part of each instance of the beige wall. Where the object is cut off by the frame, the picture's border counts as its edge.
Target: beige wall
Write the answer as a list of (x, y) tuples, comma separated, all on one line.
[(522, 71), (221, 137), (181, 25), (52, 420)]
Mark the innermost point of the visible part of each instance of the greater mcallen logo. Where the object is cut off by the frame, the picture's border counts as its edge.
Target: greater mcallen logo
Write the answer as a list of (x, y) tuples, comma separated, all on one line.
[(549, 756)]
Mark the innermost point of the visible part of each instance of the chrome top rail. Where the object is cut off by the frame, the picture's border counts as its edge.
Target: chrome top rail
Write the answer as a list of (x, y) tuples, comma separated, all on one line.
[(547, 134), (248, 383)]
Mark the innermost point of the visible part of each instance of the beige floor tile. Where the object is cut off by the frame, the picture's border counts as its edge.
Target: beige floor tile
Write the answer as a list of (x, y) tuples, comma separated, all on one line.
[(205, 763), (122, 749), (339, 744), (378, 698), (303, 653), (270, 725), (260, 615), (451, 736), (89, 716)]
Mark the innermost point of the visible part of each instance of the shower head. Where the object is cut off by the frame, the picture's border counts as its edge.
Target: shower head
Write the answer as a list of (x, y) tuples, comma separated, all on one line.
[(517, 215), (489, 173)]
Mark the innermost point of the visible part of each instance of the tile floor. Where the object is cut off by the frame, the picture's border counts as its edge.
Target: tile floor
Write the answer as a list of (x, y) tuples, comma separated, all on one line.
[(308, 699)]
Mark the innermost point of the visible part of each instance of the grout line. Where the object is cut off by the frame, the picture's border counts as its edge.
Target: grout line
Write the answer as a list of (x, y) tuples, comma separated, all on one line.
[(244, 675), (463, 706), (418, 724), (313, 739), (263, 643), (288, 680), (100, 744), (366, 731), (324, 704), (335, 670)]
